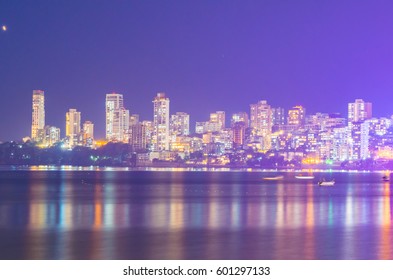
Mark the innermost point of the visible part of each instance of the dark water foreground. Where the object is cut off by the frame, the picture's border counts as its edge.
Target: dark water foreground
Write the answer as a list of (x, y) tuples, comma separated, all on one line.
[(192, 215)]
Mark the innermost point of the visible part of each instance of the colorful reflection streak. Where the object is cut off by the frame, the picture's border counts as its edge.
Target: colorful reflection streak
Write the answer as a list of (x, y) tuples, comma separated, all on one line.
[(191, 215)]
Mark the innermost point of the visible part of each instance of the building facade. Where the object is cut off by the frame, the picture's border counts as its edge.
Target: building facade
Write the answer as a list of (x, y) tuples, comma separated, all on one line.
[(161, 136), (261, 123), (117, 118), (359, 111), (88, 134), (38, 114), (180, 124), (73, 127)]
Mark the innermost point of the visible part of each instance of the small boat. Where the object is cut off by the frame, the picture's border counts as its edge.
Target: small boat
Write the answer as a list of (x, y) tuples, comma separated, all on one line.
[(304, 177), (385, 178), (326, 183), (274, 178)]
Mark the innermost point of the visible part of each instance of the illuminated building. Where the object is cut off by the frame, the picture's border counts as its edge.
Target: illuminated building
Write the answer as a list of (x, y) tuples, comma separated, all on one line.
[(358, 114), (38, 114), (117, 118), (359, 111), (261, 122), (335, 121), (180, 124), (225, 137), (278, 116), (181, 145), (340, 146), (215, 124), (207, 138), (359, 140), (280, 140), (149, 130), (316, 121), (138, 136), (73, 127), (88, 134), (200, 127), (134, 119), (196, 144), (217, 120), (51, 135), (379, 126), (239, 134), (296, 116), (213, 127), (160, 139), (385, 153), (325, 144), (240, 117), (125, 125)]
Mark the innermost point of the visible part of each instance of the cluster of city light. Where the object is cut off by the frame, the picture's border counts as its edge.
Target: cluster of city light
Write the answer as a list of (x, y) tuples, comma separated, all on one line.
[(319, 138)]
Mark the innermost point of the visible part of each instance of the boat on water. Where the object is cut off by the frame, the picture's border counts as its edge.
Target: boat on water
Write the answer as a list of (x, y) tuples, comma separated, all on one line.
[(274, 178), (326, 183), (304, 177), (385, 178)]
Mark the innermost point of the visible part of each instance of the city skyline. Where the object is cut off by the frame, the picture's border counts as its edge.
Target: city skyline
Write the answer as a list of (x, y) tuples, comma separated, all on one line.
[(355, 112), (311, 137), (209, 57)]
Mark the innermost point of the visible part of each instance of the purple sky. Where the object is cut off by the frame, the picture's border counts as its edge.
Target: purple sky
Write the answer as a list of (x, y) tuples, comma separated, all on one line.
[(206, 56)]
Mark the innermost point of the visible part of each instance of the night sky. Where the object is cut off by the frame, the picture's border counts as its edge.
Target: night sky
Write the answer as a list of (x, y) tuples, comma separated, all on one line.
[(206, 55)]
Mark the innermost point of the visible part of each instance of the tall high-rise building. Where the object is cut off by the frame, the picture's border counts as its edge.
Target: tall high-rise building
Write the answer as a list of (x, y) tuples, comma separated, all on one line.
[(88, 134), (160, 139), (38, 116), (261, 122), (73, 126), (52, 135), (134, 119), (125, 125), (359, 111), (278, 116), (359, 140), (238, 130), (117, 118), (138, 139), (297, 116), (180, 124), (148, 132), (218, 118)]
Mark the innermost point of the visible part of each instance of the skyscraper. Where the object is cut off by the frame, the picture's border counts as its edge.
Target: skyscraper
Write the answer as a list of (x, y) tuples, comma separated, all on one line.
[(218, 118), (52, 135), (117, 118), (278, 117), (359, 111), (180, 124), (238, 130), (38, 116), (138, 139), (88, 134), (261, 122), (73, 126), (359, 140), (160, 139), (297, 116)]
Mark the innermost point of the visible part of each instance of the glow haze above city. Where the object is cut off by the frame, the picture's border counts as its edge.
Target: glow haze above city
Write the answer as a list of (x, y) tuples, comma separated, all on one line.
[(206, 56)]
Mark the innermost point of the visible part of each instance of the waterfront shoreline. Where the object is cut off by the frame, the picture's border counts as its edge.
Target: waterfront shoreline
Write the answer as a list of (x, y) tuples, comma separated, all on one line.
[(173, 168)]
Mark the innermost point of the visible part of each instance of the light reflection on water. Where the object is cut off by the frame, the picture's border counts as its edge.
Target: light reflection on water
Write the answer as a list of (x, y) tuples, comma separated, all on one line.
[(192, 215)]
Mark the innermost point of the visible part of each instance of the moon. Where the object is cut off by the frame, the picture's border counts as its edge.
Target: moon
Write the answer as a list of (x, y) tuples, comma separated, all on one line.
[(4, 28)]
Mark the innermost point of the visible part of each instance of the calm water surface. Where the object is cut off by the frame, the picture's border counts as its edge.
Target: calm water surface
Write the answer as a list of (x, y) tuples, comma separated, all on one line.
[(113, 214)]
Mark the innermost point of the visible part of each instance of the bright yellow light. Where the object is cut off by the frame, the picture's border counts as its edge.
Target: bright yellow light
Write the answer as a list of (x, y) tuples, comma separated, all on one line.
[(4, 28)]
